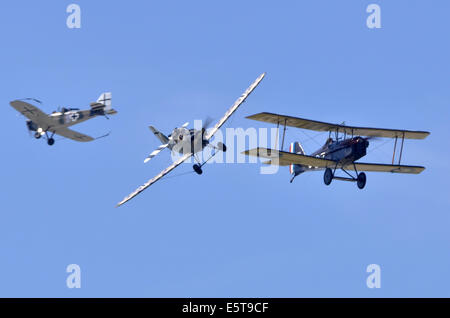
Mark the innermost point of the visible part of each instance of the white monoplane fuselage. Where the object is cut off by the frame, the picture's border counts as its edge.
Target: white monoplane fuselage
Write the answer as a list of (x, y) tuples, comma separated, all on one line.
[(186, 141)]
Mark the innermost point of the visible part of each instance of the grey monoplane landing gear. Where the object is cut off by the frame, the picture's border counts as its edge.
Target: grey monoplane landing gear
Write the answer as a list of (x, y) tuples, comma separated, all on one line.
[(50, 140), (37, 135), (328, 176), (361, 180), (197, 169)]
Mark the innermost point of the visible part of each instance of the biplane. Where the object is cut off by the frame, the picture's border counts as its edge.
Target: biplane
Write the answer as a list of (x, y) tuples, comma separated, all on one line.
[(58, 121), (188, 142), (342, 150)]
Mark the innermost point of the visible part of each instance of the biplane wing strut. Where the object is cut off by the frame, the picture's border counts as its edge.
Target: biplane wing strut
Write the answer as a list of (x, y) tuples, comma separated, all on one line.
[(340, 128)]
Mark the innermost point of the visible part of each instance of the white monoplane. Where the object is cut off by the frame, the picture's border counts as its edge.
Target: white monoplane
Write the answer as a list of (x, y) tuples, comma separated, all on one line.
[(189, 141)]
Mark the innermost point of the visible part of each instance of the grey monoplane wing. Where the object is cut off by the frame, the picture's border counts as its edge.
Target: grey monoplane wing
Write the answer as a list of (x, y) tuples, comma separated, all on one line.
[(31, 112), (72, 134)]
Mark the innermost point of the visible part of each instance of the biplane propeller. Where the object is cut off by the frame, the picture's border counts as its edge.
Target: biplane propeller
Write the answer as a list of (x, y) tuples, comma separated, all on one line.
[(188, 142), (344, 146)]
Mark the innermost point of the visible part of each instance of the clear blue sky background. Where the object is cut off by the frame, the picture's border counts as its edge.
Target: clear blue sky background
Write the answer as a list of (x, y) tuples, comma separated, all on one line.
[(232, 231)]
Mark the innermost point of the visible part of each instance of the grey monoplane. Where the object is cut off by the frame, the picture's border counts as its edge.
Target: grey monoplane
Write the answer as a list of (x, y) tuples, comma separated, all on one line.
[(48, 125)]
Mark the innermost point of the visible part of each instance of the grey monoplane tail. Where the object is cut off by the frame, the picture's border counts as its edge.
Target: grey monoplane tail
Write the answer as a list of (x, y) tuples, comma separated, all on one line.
[(59, 121), (342, 150), (188, 142)]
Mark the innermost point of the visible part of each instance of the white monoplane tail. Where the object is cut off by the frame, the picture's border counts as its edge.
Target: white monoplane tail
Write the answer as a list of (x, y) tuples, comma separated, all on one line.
[(190, 141), (59, 121)]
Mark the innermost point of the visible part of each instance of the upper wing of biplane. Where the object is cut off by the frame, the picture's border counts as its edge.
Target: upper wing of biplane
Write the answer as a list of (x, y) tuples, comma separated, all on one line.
[(31, 112), (283, 158), (235, 106), (349, 130), (72, 134), (159, 176)]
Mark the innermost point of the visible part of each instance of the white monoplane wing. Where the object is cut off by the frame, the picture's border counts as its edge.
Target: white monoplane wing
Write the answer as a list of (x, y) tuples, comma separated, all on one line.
[(235, 106), (71, 134), (159, 176), (156, 152)]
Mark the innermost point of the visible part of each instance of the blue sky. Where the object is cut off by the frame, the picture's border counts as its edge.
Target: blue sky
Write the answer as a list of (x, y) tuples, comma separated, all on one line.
[(231, 232)]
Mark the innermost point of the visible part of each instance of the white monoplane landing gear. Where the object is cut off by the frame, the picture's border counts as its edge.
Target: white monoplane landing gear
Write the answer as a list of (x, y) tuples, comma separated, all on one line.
[(197, 169), (219, 147)]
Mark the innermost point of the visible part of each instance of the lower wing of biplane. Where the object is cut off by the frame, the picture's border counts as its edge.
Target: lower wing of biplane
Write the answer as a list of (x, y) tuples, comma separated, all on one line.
[(282, 158)]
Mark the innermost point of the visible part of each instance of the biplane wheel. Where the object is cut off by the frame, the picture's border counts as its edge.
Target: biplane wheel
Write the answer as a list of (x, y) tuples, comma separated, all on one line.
[(328, 176), (37, 135), (222, 146), (361, 181), (198, 169), (51, 142)]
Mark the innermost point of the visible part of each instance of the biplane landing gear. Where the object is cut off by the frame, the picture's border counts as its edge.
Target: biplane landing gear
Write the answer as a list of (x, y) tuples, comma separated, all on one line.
[(328, 176), (37, 135), (197, 169), (361, 180)]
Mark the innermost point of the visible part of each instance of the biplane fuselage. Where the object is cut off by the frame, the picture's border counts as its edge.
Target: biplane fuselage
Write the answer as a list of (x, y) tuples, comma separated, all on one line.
[(343, 151)]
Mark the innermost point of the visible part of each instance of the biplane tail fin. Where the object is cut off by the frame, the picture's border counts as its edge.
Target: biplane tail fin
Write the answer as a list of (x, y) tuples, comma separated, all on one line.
[(295, 170), (163, 138)]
